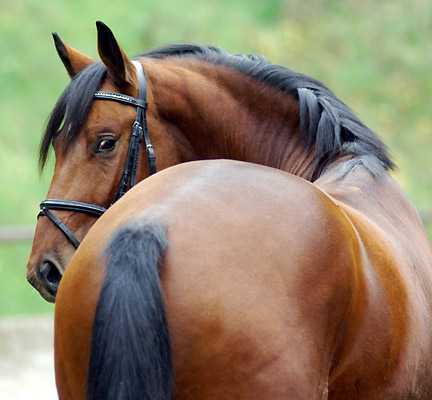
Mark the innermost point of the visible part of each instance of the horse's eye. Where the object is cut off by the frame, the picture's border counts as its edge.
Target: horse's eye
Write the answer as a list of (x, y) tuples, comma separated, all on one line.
[(105, 145)]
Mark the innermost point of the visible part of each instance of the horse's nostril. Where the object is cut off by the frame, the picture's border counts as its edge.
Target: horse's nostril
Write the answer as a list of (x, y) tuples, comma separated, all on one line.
[(49, 276), (51, 272)]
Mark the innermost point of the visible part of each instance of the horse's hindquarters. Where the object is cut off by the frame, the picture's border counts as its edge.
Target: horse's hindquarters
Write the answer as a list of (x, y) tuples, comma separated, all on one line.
[(256, 288), (255, 300)]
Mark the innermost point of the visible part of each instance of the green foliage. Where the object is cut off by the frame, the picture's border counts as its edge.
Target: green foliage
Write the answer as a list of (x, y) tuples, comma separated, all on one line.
[(376, 56)]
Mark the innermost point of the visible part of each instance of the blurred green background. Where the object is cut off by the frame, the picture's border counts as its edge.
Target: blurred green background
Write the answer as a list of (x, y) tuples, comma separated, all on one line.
[(376, 56)]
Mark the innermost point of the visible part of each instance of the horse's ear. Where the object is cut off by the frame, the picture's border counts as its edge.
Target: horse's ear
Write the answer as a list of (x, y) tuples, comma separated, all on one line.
[(73, 60), (120, 69)]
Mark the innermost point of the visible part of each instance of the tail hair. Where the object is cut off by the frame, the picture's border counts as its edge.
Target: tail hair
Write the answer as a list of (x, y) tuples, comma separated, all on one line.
[(130, 355)]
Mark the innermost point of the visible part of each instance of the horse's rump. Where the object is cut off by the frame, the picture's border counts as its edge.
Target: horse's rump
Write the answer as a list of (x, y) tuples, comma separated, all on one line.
[(257, 278)]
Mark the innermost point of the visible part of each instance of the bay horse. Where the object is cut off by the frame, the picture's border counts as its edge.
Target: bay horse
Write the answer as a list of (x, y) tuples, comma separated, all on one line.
[(223, 280), (189, 102), (335, 303)]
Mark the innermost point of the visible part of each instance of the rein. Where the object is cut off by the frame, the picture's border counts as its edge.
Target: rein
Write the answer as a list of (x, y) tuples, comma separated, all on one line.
[(128, 180)]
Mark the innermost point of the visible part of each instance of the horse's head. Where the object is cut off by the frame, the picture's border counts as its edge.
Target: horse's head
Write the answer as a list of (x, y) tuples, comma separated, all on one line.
[(92, 137)]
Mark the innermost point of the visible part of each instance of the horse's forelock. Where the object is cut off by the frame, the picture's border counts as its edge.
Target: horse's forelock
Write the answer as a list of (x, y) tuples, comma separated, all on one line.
[(71, 110)]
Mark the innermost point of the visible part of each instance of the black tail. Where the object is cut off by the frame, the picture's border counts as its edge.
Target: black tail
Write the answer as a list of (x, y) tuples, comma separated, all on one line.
[(130, 350)]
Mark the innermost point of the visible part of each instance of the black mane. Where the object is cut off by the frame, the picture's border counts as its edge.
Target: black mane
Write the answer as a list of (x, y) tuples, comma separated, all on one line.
[(72, 108), (326, 122)]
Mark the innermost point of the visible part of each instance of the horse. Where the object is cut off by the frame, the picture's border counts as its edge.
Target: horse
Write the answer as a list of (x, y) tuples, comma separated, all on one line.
[(221, 279), (181, 103), (335, 305)]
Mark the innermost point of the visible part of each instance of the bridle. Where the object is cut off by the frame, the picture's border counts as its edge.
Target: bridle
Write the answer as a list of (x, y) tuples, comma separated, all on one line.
[(128, 180)]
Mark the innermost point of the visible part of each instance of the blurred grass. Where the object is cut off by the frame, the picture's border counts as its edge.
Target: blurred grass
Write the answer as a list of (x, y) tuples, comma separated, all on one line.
[(376, 56), (16, 295)]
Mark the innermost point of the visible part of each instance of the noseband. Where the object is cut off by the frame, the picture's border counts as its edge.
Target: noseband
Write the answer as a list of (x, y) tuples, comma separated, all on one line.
[(128, 180)]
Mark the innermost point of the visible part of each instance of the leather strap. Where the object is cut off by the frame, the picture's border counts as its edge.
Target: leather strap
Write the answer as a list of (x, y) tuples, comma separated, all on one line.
[(139, 132), (142, 118), (121, 98), (70, 205), (59, 224)]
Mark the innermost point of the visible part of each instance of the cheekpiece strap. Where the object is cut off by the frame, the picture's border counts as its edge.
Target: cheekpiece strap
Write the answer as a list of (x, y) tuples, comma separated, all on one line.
[(139, 131)]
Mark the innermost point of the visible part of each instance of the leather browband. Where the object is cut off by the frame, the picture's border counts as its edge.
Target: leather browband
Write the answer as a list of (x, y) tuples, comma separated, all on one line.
[(121, 98)]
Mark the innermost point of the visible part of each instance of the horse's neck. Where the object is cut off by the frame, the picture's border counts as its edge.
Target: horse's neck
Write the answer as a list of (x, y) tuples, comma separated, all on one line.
[(224, 114)]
